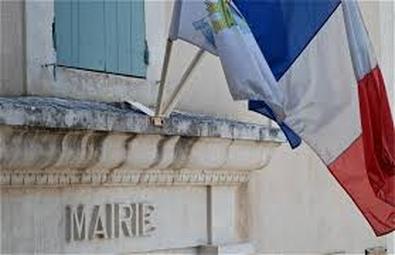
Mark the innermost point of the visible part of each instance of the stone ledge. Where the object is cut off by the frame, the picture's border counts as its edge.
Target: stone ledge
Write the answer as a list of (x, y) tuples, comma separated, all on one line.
[(49, 112), (58, 142)]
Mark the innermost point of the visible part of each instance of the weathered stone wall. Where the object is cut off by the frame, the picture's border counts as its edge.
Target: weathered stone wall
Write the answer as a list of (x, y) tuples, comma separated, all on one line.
[(100, 177), (12, 48)]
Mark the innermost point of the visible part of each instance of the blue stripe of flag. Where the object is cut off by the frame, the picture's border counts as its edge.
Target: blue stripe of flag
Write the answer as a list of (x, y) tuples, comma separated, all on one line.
[(283, 29), (262, 108)]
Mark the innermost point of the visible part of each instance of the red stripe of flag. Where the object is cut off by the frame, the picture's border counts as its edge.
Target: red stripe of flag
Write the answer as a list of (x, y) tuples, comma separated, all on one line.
[(366, 170)]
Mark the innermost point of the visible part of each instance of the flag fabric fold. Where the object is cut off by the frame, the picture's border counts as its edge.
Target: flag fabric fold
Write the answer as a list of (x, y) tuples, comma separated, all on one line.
[(308, 65), (248, 74)]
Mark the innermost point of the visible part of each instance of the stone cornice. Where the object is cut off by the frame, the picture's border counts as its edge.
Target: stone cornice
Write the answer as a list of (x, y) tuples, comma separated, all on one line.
[(49, 112), (67, 155)]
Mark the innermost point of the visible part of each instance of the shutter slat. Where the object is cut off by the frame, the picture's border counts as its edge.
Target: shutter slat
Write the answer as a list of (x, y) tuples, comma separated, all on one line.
[(138, 38), (63, 32), (124, 37), (91, 35), (111, 31), (75, 47)]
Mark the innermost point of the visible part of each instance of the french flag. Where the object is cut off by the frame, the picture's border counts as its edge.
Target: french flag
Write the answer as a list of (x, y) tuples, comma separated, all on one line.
[(309, 65), (335, 97)]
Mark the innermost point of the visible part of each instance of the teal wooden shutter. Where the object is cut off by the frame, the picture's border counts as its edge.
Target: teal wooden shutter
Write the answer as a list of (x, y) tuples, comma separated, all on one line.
[(101, 35)]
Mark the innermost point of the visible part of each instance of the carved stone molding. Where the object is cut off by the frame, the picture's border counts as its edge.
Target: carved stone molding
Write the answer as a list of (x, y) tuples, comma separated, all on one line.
[(39, 147), (32, 156), (155, 178), (36, 148)]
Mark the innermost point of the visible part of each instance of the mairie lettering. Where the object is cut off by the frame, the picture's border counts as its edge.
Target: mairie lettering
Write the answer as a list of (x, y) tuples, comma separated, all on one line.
[(109, 221)]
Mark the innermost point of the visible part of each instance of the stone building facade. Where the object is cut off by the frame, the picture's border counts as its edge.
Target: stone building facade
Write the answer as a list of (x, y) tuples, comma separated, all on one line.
[(83, 171)]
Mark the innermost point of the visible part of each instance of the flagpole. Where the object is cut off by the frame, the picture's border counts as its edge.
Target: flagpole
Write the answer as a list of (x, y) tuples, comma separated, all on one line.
[(165, 67), (181, 85)]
